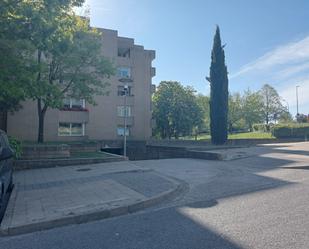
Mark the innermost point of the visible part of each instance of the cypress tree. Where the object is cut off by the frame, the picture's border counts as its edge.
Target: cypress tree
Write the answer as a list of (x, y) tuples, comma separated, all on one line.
[(218, 92)]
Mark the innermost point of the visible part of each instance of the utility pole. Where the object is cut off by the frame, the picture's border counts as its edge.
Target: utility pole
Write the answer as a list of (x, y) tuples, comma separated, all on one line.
[(297, 114), (125, 91)]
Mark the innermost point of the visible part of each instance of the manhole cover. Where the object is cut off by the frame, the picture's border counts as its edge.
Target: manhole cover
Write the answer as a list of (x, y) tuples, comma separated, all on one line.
[(84, 169)]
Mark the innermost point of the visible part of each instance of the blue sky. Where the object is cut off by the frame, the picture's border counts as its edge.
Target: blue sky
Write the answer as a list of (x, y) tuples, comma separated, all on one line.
[(267, 40)]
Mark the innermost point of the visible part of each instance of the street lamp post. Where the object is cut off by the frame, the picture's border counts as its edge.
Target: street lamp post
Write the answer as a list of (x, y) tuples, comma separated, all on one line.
[(125, 91), (297, 100)]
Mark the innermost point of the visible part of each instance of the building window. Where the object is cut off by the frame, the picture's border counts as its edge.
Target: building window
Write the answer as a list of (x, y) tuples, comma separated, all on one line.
[(74, 103), (71, 129), (122, 111), (120, 131), (120, 91), (67, 103), (124, 52), (124, 72)]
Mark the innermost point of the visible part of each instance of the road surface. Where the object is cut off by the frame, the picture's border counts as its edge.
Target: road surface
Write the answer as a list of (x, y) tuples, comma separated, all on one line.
[(261, 201)]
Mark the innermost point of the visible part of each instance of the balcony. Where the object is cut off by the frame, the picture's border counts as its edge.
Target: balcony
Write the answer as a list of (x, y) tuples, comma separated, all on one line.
[(74, 116), (153, 72), (130, 121), (125, 79), (153, 88), (124, 52)]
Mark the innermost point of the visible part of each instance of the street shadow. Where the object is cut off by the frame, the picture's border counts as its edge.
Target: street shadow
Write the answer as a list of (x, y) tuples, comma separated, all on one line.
[(298, 167), (162, 229)]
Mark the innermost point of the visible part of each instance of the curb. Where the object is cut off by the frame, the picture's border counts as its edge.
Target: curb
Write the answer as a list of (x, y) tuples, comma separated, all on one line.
[(88, 217)]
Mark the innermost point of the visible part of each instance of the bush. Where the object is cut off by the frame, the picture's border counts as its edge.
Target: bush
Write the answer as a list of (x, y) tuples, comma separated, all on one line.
[(16, 146), (291, 131), (262, 127)]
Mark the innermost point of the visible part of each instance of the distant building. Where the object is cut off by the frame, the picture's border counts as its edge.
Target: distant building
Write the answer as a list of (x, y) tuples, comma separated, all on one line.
[(78, 120)]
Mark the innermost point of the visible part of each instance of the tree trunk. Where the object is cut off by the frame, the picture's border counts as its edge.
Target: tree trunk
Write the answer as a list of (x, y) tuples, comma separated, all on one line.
[(267, 118), (3, 120), (41, 114)]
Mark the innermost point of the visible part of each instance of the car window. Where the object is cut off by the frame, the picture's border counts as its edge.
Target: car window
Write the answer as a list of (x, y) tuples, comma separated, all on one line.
[(5, 140)]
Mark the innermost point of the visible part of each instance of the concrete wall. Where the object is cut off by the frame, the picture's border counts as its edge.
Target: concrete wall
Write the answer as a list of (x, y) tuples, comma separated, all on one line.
[(234, 142)]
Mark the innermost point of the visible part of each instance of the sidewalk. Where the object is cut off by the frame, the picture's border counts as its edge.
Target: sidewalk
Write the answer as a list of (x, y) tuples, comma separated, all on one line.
[(47, 198)]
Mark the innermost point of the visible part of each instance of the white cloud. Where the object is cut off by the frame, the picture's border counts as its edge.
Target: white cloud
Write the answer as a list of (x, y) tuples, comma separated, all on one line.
[(286, 55), (292, 70), (288, 92), (284, 67)]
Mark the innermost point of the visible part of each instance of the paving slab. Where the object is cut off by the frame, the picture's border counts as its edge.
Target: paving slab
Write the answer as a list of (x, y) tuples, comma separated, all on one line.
[(46, 198)]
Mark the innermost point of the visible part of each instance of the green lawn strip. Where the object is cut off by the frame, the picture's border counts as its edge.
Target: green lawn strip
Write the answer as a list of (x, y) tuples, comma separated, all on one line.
[(251, 135), (245, 135)]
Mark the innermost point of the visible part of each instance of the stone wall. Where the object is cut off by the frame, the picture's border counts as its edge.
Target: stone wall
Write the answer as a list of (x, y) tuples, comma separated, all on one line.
[(233, 142), (84, 147), (45, 151)]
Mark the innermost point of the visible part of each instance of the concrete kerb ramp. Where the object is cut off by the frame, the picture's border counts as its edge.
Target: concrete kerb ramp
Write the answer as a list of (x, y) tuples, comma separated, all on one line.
[(97, 194)]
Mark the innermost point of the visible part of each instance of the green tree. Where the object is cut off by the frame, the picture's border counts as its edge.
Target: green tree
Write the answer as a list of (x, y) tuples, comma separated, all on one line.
[(175, 110), (218, 92), (272, 106), (15, 61), (285, 117), (252, 108), (235, 116), (203, 102), (302, 118), (68, 60)]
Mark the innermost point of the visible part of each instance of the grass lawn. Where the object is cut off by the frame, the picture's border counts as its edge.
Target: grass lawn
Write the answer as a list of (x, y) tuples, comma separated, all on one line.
[(253, 135), (245, 135)]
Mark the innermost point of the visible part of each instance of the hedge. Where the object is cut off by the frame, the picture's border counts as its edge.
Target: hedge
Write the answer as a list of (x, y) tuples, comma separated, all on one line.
[(291, 131), (262, 127)]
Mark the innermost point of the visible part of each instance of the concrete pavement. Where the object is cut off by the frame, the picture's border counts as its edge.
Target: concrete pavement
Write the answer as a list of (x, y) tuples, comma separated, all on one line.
[(256, 202), (46, 198)]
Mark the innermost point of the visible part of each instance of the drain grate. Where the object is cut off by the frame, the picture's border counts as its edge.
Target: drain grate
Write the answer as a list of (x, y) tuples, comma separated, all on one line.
[(83, 169)]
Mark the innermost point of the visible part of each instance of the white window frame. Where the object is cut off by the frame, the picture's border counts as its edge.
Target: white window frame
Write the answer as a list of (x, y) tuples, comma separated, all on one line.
[(72, 135), (121, 111), (121, 129), (71, 102), (121, 91), (121, 74)]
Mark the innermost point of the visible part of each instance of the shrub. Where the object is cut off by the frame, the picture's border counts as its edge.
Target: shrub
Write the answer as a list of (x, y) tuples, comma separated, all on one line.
[(16, 146), (291, 131), (262, 127)]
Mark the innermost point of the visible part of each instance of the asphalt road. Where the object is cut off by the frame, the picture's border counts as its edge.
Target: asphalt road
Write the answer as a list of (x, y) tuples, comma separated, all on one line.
[(257, 202)]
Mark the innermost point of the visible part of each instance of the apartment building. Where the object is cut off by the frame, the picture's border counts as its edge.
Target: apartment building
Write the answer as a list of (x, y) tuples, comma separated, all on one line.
[(78, 120)]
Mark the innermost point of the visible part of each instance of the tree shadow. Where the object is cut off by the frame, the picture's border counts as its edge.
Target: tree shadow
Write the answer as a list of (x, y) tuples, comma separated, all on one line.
[(165, 228), (298, 167)]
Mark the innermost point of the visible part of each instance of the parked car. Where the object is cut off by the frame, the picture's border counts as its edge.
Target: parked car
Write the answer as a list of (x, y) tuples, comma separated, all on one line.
[(6, 170)]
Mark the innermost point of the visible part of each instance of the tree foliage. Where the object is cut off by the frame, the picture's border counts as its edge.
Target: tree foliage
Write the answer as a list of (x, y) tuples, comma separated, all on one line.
[(218, 92), (15, 60), (235, 116), (252, 108), (175, 110), (66, 58), (272, 106), (203, 102)]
